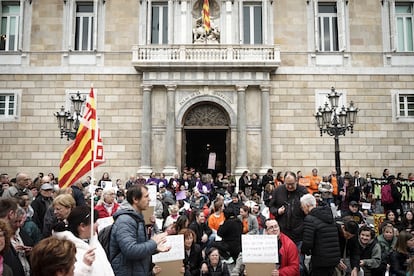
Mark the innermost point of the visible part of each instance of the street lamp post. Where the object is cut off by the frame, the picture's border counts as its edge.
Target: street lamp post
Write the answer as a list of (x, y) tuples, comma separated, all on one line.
[(68, 122), (336, 121)]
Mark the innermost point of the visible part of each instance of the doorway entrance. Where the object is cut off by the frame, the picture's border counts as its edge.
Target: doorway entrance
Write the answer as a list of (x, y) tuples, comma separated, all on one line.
[(206, 138), (202, 144)]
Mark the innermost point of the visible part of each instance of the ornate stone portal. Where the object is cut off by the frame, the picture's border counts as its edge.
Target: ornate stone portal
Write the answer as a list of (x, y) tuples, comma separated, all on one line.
[(206, 115)]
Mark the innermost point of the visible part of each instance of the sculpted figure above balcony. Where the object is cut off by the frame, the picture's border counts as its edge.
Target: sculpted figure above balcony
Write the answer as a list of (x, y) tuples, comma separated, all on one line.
[(200, 36)]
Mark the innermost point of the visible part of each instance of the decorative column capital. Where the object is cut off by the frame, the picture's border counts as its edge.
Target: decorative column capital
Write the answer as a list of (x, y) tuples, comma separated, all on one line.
[(265, 88), (171, 87), (146, 87), (241, 88)]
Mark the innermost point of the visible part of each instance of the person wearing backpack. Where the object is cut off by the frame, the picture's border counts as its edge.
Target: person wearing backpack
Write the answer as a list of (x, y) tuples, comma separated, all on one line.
[(131, 246), (391, 196)]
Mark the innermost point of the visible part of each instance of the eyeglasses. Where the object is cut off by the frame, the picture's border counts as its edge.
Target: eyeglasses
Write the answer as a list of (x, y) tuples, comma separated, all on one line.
[(273, 227)]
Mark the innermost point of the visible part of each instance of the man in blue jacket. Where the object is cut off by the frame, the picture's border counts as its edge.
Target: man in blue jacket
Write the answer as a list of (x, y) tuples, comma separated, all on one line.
[(130, 246)]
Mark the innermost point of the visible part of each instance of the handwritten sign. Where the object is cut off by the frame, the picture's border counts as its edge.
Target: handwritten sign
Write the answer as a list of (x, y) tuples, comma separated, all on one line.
[(176, 252), (260, 249), (152, 190)]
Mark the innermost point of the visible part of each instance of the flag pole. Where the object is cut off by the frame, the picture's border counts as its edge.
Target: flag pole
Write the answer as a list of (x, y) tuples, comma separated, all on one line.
[(93, 147)]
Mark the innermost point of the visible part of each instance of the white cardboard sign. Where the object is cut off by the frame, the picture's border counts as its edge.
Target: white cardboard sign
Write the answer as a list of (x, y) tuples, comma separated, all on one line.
[(176, 252), (260, 249)]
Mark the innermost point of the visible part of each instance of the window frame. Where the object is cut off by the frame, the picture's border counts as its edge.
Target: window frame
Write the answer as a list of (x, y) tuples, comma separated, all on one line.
[(69, 27), (164, 11), (17, 105), (395, 102), (20, 24), (404, 17), (252, 26), (342, 24)]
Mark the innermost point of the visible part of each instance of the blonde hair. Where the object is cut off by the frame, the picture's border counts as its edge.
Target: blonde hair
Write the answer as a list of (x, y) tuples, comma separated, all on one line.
[(65, 200)]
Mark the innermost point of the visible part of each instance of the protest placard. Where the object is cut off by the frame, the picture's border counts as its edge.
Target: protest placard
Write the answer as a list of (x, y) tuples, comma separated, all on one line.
[(260, 249), (176, 252)]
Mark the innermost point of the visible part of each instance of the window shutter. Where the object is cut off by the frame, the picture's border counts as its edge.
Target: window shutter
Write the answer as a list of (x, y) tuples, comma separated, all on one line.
[(95, 25), (316, 20), (340, 5), (21, 26), (393, 30)]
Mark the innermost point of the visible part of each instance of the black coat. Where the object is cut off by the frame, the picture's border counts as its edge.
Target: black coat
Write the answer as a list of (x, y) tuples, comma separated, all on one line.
[(398, 263), (320, 238), (291, 222), (200, 229), (192, 262), (221, 269), (351, 247)]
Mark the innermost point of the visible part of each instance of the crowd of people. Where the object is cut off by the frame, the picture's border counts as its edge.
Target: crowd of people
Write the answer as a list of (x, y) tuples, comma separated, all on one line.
[(322, 223)]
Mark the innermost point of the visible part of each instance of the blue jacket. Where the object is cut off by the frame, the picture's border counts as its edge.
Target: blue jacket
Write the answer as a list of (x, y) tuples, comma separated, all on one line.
[(130, 249)]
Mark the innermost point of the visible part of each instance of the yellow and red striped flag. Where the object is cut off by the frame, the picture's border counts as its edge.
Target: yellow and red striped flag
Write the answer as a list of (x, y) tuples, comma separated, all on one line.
[(86, 150), (206, 16)]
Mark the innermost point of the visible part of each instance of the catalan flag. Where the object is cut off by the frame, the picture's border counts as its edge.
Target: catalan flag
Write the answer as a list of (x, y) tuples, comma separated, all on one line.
[(206, 16), (86, 150)]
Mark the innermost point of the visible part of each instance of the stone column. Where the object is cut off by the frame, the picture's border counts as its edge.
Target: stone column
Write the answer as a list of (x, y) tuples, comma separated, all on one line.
[(241, 162), (170, 139), (266, 150), (146, 132)]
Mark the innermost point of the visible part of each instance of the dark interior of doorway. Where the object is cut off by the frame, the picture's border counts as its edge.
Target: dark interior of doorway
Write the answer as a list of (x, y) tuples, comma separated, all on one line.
[(200, 143)]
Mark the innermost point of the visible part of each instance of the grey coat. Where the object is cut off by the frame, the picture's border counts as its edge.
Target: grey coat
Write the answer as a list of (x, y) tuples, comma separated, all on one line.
[(130, 249)]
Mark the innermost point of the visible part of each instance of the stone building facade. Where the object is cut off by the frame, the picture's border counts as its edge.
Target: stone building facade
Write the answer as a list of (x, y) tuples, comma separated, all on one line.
[(169, 94)]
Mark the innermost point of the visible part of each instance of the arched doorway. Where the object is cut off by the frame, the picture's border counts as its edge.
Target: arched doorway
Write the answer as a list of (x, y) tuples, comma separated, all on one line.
[(206, 135)]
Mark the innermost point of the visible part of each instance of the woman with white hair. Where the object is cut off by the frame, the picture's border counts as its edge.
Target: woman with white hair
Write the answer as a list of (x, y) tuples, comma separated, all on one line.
[(107, 205)]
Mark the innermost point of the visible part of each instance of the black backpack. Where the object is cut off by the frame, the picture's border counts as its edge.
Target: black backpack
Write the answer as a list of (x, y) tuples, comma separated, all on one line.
[(104, 236)]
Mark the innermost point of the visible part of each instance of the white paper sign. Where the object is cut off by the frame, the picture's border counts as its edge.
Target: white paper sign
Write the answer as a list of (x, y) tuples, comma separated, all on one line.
[(104, 222), (260, 249), (366, 205), (176, 252), (152, 190)]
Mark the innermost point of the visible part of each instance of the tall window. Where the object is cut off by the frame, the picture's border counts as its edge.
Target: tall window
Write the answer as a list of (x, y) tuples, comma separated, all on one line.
[(159, 24), (404, 23), (252, 23), (9, 26), (84, 26), (328, 27)]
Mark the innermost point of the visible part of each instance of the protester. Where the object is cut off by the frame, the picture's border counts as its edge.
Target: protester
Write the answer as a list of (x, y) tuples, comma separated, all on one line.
[(192, 252), (370, 258), (107, 205), (387, 241), (249, 221), (320, 237), (213, 265), (5, 236), (53, 257), (348, 242), (200, 227), (42, 202), (286, 208), (90, 256), (230, 232), (400, 256), (58, 212), (288, 252), (131, 249)]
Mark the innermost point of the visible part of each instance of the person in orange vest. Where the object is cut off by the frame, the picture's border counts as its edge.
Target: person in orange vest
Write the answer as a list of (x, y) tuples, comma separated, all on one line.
[(314, 181)]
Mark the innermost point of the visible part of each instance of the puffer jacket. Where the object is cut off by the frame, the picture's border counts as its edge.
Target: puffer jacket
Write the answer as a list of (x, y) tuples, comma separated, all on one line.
[(320, 238), (130, 249)]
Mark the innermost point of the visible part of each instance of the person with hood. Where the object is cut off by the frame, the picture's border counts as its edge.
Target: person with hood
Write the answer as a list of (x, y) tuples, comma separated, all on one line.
[(130, 247), (90, 256), (370, 258), (320, 237)]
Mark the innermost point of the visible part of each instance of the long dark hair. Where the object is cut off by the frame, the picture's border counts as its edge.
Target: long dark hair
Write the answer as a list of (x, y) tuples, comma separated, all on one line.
[(79, 215)]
